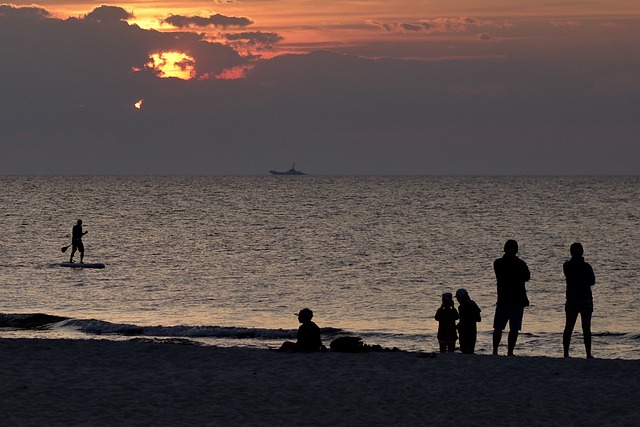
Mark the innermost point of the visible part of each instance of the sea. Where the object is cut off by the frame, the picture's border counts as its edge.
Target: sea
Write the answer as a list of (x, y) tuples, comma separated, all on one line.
[(230, 260)]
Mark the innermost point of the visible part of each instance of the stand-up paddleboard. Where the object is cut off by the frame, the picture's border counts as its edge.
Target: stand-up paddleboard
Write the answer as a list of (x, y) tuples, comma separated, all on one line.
[(82, 265)]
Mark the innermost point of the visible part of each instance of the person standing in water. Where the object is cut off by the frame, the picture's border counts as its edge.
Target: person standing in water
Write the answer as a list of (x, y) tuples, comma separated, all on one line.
[(76, 241), (580, 278), (511, 275)]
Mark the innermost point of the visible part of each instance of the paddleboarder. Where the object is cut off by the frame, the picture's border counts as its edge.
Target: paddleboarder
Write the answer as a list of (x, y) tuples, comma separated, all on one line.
[(76, 241)]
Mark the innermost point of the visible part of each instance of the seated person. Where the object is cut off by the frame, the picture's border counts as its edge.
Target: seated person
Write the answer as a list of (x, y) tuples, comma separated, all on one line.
[(308, 335)]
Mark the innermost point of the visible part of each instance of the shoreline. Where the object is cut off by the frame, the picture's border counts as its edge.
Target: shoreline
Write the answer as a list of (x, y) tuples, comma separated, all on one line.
[(140, 382)]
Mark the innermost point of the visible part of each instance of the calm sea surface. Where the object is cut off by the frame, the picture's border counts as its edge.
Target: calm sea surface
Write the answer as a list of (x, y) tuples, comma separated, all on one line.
[(229, 260)]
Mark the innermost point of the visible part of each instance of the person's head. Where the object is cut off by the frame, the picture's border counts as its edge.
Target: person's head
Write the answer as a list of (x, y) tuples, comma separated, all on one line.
[(462, 295), (79, 222), (511, 247), (576, 249), (447, 299), (305, 315)]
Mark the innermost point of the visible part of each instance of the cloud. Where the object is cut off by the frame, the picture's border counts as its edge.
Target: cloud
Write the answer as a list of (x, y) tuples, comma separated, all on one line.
[(485, 37), (216, 20), (382, 25), (108, 14), (411, 27), (567, 23), (255, 38), (438, 25), (29, 12), (69, 88)]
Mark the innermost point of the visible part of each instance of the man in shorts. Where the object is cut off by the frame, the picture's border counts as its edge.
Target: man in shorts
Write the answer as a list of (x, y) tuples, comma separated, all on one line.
[(76, 241), (511, 275), (580, 279)]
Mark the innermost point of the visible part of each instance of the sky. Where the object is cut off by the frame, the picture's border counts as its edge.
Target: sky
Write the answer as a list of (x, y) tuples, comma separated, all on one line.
[(363, 87)]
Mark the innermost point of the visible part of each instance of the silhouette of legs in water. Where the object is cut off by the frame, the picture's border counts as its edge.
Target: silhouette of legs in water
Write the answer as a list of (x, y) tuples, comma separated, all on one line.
[(585, 318), (511, 341)]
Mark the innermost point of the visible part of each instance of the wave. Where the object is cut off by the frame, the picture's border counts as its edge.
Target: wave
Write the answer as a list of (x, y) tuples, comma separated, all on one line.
[(100, 327), (29, 321)]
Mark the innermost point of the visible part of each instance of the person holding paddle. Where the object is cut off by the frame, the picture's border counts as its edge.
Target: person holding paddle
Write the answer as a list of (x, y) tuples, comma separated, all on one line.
[(76, 241)]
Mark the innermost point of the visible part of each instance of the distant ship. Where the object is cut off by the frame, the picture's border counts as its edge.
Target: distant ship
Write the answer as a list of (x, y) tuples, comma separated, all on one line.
[(291, 171)]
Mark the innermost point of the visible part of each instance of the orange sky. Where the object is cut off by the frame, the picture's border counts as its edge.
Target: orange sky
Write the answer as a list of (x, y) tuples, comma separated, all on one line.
[(351, 25), (433, 30)]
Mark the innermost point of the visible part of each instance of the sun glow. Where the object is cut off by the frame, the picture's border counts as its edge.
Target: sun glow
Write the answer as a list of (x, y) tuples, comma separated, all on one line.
[(138, 105), (173, 64)]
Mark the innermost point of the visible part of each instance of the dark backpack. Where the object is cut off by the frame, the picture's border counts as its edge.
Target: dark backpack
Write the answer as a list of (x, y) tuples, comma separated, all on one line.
[(348, 345)]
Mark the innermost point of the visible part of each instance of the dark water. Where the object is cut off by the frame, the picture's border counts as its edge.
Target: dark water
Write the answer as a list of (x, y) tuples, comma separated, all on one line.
[(228, 260)]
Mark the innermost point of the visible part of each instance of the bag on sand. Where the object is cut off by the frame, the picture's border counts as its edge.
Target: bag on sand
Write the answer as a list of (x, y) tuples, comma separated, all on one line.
[(348, 345)]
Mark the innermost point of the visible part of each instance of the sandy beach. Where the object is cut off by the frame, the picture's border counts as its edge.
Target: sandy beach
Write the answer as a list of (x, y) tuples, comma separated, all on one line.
[(107, 383)]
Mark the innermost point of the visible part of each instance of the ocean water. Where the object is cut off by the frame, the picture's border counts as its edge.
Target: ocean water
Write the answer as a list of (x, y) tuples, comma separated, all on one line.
[(229, 260)]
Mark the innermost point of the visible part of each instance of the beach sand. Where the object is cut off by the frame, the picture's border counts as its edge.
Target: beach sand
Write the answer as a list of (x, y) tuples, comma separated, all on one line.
[(109, 383)]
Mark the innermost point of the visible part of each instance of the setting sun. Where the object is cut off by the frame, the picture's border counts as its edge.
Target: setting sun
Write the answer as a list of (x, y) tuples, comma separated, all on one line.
[(173, 64)]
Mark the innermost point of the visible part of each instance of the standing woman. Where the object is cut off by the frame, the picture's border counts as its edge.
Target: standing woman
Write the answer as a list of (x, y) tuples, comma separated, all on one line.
[(580, 279)]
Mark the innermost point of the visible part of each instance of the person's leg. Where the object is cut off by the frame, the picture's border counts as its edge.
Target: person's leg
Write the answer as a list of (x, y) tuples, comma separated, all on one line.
[(497, 336), (464, 342), (451, 347), (511, 341), (571, 317), (73, 252), (81, 250), (500, 320), (516, 313), (443, 347), (472, 343), (585, 317)]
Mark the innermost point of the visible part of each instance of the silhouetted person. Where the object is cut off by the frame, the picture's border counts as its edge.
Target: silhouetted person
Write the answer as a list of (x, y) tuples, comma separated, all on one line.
[(76, 241), (468, 324), (580, 279), (308, 335), (511, 275), (446, 317)]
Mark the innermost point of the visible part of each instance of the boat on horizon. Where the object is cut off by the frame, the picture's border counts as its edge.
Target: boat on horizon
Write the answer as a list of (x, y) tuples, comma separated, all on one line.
[(291, 171)]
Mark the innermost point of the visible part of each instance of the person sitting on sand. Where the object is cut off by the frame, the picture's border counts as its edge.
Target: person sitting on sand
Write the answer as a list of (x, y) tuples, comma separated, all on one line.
[(469, 318), (308, 335), (580, 278), (446, 317)]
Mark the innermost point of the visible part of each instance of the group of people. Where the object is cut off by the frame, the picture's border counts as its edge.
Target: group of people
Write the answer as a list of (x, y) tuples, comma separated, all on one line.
[(468, 314), (511, 275)]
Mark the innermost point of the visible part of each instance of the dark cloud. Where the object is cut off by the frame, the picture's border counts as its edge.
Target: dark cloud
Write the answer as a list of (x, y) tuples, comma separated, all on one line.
[(253, 38), (68, 88), (108, 14), (23, 12), (216, 20), (439, 25), (411, 27)]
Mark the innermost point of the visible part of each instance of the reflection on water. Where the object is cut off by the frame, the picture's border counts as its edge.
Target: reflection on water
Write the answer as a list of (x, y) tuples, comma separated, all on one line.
[(368, 254)]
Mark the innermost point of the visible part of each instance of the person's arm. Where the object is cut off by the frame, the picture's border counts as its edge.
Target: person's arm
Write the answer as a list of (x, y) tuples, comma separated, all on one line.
[(591, 276), (526, 274)]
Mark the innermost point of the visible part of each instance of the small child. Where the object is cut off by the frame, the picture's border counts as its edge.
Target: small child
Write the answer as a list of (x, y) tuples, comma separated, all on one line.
[(446, 317), (469, 317)]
